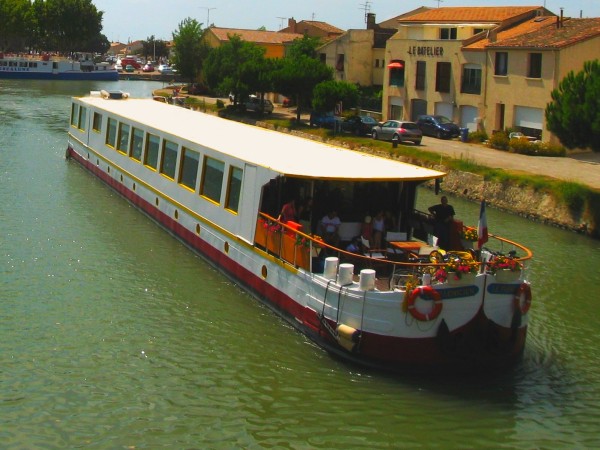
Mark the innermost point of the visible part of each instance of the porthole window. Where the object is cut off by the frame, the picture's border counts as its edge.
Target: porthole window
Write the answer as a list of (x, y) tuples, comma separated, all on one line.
[(264, 272), (156, 201), (226, 246), (176, 215), (198, 229)]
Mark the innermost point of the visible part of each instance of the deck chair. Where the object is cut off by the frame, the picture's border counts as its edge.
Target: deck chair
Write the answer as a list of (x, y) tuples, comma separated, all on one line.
[(372, 253)]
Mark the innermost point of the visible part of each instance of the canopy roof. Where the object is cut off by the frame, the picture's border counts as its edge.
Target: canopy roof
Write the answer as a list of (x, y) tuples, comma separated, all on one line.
[(283, 153)]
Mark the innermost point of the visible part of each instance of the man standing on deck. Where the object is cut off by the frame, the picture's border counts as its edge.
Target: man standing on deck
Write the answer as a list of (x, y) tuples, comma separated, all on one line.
[(443, 216)]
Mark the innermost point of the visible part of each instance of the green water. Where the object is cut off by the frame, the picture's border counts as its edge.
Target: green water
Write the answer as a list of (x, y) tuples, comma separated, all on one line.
[(113, 335)]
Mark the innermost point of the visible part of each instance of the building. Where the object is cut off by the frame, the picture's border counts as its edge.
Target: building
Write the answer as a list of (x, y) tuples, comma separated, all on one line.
[(313, 28), (486, 68), (358, 56), (273, 42)]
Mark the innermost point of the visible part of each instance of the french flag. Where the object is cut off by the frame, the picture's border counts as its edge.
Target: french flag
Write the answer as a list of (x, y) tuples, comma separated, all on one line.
[(482, 228)]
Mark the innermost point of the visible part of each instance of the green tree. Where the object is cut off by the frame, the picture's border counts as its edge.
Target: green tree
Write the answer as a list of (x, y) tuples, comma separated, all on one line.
[(16, 20), (238, 67), (574, 113), (329, 93), (154, 48), (306, 46), (190, 51), (71, 25), (297, 76)]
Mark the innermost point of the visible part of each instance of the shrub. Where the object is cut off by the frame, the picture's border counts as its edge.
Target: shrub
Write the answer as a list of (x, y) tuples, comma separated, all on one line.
[(220, 103), (499, 140), (478, 136), (524, 147)]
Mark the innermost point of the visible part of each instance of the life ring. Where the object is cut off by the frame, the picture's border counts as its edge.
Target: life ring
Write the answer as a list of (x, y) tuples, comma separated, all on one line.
[(523, 290), (425, 291)]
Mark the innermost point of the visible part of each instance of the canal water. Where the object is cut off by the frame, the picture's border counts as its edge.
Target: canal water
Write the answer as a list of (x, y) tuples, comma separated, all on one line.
[(114, 335)]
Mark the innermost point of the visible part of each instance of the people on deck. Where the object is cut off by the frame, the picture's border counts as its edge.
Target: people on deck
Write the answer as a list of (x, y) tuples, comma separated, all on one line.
[(366, 229), (289, 212), (443, 216), (378, 230), (329, 227)]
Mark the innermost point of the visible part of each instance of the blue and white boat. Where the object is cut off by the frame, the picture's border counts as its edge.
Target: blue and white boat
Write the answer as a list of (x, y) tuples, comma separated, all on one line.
[(46, 67)]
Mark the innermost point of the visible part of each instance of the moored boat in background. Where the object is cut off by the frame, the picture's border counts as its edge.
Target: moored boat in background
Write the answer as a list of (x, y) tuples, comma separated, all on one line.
[(47, 67), (219, 186)]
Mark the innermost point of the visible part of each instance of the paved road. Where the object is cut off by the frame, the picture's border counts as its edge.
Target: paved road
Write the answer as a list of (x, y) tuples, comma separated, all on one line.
[(582, 168)]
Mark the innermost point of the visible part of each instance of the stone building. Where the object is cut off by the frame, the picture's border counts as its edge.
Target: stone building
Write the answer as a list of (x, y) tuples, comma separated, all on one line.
[(484, 67)]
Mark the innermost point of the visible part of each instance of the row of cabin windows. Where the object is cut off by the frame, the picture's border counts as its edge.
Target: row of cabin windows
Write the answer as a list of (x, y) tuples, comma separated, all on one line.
[(145, 148), (18, 64), (471, 75)]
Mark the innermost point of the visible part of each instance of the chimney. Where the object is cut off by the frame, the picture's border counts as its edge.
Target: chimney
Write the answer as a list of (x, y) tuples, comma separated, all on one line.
[(371, 21), (292, 25)]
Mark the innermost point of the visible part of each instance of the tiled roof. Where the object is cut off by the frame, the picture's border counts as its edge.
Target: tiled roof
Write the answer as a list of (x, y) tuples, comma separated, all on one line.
[(257, 36), (512, 32), (550, 36), (323, 26), (479, 14)]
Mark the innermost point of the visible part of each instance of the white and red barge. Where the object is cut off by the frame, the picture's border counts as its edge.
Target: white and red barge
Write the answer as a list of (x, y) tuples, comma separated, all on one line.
[(219, 185)]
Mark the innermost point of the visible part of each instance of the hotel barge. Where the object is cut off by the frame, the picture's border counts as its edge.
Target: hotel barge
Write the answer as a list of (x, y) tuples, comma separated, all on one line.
[(46, 67), (219, 186)]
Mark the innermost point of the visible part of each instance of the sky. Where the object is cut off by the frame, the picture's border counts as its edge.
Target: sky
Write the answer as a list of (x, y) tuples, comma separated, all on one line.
[(131, 20)]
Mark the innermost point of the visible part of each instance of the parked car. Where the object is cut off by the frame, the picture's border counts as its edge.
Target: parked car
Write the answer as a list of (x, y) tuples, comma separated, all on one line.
[(438, 126), (359, 125), (129, 68), (399, 130), (148, 68), (254, 104), (165, 70), (322, 119)]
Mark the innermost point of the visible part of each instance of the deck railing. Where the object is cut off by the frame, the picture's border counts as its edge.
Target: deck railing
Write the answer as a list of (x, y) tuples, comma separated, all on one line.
[(288, 243)]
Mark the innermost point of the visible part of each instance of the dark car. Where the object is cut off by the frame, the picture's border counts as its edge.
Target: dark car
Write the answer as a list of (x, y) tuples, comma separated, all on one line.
[(399, 130), (322, 119), (438, 126), (359, 125)]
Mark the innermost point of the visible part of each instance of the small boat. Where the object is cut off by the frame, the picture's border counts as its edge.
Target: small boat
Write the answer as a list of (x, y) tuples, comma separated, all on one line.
[(219, 187), (46, 67)]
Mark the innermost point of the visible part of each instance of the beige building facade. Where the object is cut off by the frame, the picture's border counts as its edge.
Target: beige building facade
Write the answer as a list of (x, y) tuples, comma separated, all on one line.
[(484, 68)]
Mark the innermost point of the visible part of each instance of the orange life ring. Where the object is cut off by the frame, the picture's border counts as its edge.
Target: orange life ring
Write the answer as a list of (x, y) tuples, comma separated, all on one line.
[(523, 290), (425, 291)]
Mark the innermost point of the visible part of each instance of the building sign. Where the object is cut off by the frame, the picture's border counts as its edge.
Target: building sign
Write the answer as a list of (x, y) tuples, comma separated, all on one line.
[(425, 51)]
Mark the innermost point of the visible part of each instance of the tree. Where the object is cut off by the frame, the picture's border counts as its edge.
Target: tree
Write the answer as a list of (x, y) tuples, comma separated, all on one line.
[(154, 48), (297, 76), (329, 93), (238, 67), (190, 51), (306, 46), (574, 114)]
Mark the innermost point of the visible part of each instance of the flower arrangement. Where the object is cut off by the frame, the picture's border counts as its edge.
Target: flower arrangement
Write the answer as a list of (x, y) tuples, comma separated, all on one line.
[(461, 267), (502, 262), (469, 234), (271, 226), (302, 241)]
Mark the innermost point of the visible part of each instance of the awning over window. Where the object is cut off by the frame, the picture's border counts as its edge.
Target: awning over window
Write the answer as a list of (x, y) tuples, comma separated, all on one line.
[(395, 65)]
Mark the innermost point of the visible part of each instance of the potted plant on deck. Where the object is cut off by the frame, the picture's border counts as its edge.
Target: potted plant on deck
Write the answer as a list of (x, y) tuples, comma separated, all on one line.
[(505, 268)]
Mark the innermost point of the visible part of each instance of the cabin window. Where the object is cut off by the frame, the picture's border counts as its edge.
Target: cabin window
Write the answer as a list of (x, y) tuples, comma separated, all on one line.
[(234, 188), (169, 159), (111, 133), (188, 174), (97, 122), (137, 144), (212, 179), (82, 118), (152, 147), (123, 141), (74, 114)]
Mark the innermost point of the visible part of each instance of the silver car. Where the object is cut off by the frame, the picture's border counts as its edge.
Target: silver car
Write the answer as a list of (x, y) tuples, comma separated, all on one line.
[(399, 130)]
